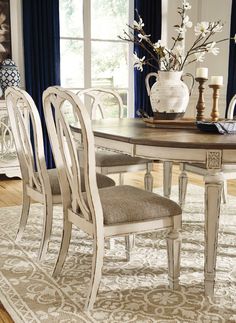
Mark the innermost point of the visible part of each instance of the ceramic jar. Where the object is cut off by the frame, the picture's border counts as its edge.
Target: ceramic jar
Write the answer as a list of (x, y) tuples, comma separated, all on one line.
[(169, 95), (9, 74)]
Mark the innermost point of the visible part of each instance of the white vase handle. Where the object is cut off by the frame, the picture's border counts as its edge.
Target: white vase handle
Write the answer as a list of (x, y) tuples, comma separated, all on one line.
[(230, 113), (190, 88), (147, 78)]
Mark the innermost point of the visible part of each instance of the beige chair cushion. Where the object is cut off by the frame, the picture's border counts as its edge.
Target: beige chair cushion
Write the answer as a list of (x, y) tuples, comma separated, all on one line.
[(102, 181), (129, 204), (109, 158), (227, 168)]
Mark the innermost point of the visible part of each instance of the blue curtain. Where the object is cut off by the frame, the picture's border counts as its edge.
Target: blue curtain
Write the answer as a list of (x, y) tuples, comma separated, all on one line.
[(231, 89), (42, 54), (150, 12)]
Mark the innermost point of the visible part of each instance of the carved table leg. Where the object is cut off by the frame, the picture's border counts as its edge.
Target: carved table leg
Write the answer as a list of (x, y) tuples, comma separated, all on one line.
[(167, 178), (213, 190), (183, 182), (148, 178), (224, 192)]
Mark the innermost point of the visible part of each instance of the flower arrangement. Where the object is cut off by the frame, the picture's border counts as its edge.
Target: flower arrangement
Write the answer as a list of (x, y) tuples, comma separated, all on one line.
[(175, 58)]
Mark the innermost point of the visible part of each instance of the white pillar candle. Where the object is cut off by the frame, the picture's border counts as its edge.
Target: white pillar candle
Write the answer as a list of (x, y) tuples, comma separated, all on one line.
[(217, 80), (202, 72)]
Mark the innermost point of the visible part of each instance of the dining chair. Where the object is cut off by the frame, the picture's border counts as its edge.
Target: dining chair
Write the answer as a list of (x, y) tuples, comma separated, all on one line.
[(101, 213), (229, 171), (39, 183), (102, 103)]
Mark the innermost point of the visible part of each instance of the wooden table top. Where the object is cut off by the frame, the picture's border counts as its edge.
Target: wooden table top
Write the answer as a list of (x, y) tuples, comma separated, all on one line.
[(135, 131)]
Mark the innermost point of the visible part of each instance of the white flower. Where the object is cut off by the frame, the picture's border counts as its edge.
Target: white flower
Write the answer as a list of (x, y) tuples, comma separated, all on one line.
[(138, 62), (212, 49), (157, 44), (217, 28), (187, 6), (138, 25), (143, 37), (200, 56), (202, 29), (187, 23)]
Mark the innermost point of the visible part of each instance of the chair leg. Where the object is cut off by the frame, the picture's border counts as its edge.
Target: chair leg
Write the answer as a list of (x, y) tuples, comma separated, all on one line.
[(121, 179), (173, 250), (167, 178), (47, 227), (129, 245), (111, 243), (148, 178), (183, 182), (24, 214), (224, 192), (65, 242), (98, 253)]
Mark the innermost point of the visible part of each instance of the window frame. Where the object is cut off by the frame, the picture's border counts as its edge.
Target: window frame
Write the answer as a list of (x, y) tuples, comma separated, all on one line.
[(87, 42)]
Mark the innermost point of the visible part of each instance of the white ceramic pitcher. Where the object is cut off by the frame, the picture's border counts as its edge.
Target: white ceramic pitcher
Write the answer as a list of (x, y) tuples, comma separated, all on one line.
[(169, 95)]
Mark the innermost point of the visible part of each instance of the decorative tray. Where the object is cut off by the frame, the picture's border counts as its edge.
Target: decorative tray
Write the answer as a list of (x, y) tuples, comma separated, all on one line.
[(184, 123)]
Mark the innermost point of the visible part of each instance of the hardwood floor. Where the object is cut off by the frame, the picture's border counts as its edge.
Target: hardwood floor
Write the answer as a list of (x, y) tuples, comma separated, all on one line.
[(10, 191), (4, 316), (10, 195)]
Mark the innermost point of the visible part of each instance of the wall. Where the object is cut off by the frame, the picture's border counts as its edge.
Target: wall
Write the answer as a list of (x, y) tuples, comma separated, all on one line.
[(202, 10), (17, 36)]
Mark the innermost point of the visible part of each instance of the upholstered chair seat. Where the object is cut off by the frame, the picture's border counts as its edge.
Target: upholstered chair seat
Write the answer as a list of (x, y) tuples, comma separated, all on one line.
[(122, 204), (109, 158), (102, 181), (224, 167)]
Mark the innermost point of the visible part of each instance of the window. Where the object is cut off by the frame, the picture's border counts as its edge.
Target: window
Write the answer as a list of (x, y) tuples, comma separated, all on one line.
[(92, 55)]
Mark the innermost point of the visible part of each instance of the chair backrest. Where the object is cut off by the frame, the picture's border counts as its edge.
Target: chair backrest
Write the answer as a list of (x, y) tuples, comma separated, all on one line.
[(23, 113), (103, 102), (7, 144), (230, 113), (87, 204)]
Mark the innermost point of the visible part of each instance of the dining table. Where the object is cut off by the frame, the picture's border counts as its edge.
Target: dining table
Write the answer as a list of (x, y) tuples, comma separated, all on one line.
[(135, 138)]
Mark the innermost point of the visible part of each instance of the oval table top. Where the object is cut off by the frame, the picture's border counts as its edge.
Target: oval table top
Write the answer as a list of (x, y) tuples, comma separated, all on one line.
[(135, 131)]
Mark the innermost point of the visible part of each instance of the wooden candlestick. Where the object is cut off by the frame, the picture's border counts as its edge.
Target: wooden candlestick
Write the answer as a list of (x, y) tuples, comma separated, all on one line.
[(216, 94), (200, 107)]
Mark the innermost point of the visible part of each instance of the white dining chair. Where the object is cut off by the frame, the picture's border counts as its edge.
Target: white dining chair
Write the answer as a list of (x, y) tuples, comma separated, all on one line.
[(101, 213), (39, 183), (103, 103), (229, 171)]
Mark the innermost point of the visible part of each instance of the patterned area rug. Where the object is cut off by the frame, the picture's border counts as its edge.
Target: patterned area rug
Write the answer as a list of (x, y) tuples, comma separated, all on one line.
[(130, 292)]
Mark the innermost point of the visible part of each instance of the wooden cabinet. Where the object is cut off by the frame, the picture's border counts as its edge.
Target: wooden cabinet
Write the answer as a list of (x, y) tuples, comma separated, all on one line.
[(9, 164)]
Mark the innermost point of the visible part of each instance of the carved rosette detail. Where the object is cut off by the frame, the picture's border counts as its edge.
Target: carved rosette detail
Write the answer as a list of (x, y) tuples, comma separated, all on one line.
[(214, 159)]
